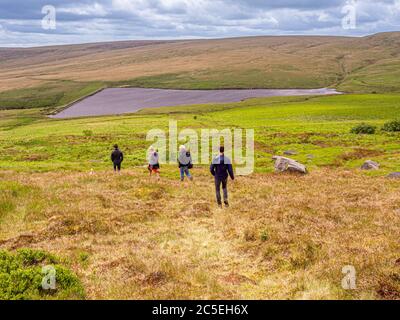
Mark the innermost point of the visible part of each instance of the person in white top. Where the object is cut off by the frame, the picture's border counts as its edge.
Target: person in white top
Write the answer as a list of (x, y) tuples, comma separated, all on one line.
[(153, 158)]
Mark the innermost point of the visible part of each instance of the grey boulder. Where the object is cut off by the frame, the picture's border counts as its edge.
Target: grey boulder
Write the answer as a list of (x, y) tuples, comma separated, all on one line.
[(283, 164), (370, 165), (290, 153), (394, 175)]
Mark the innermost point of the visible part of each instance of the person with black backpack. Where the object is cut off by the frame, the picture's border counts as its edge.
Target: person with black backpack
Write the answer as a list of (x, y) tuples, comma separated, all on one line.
[(221, 168), (117, 157), (185, 163)]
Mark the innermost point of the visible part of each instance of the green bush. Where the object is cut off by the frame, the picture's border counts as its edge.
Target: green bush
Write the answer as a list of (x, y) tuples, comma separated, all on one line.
[(21, 277), (87, 133), (392, 126), (363, 128), (264, 236)]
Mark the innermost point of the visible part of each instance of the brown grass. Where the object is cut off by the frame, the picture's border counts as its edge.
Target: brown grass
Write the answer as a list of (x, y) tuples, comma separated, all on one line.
[(283, 237), (360, 153)]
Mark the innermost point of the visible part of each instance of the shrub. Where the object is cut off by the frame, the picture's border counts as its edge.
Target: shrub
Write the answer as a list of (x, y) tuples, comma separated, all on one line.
[(87, 133), (264, 236), (21, 277), (6, 205), (392, 126), (303, 255), (84, 258), (363, 128)]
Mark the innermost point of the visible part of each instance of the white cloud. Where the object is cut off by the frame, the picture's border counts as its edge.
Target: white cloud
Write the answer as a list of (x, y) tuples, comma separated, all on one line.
[(95, 9), (324, 17)]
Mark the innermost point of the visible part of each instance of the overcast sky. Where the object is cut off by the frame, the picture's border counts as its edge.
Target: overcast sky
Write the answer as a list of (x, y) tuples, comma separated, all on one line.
[(21, 21)]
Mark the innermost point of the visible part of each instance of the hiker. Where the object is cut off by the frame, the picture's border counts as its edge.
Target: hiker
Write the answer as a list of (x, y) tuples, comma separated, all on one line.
[(185, 163), (221, 168), (154, 165), (117, 157)]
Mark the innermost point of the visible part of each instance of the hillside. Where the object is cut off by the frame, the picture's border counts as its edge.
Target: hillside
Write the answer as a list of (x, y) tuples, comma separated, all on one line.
[(54, 76)]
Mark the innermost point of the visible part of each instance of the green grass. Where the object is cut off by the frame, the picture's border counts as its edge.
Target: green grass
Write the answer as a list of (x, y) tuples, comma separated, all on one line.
[(382, 77), (317, 126), (51, 95)]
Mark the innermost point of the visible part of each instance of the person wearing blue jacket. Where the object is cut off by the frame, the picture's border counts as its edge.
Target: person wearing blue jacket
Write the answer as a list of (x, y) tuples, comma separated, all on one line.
[(221, 168)]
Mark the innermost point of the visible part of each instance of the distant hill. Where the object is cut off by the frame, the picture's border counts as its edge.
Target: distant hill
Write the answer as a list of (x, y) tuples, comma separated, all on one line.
[(53, 76)]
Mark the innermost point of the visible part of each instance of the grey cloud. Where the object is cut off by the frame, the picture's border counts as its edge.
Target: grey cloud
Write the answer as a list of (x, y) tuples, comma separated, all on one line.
[(291, 4), (105, 20)]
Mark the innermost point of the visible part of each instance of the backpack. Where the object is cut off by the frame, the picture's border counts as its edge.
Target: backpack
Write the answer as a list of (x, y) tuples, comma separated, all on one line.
[(189, 165)]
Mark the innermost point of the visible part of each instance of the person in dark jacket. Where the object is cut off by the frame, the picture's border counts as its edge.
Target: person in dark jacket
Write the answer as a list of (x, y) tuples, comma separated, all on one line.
[(117, 157), (221, 168)]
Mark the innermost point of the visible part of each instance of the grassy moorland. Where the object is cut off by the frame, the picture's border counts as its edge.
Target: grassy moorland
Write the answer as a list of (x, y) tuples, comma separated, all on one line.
[(55, 76), (317, 126), (285, 236)]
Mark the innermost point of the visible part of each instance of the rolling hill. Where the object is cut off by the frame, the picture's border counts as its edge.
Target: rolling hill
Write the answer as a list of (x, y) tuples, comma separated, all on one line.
[(55, 76)]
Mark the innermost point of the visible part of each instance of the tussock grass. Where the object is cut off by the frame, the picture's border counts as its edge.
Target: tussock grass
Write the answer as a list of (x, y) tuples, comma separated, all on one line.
[(285, 236)]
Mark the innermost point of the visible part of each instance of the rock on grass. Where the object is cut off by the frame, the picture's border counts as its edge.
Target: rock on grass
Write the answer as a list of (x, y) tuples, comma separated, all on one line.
[(370, 165), (394, 175), (283, 164)]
